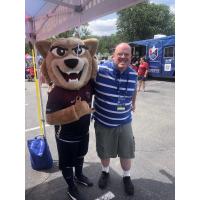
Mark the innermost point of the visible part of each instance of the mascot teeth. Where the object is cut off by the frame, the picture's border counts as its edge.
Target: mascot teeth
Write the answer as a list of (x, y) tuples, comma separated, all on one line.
[(75, 72), (73, 80)]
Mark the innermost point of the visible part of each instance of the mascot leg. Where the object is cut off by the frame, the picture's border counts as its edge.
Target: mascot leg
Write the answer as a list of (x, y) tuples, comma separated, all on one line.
[(71, 154), (73, 191), (79, 167), (79, 177), (83, 149), (68, 176)]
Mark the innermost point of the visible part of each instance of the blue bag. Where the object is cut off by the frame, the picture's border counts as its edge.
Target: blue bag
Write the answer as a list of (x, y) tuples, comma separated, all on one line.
[(40, 154)]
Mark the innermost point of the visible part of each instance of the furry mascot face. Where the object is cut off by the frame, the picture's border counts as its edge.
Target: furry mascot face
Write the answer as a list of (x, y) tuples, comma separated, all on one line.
[(68, 62)]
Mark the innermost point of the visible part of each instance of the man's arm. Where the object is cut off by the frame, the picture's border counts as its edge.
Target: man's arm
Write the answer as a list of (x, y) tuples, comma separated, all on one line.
[(145, 75), (146, 72), (133, 100)]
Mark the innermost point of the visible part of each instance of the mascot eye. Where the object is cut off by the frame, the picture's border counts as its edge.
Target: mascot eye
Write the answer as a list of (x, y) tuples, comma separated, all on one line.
[(58, 51), (79, 50)]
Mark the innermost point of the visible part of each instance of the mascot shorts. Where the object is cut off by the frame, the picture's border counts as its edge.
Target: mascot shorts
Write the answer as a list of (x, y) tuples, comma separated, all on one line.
[(113, 142), (71, 152)]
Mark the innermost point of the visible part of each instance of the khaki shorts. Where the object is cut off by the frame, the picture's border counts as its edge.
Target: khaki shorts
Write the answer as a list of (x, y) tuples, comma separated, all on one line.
[(113, 142)]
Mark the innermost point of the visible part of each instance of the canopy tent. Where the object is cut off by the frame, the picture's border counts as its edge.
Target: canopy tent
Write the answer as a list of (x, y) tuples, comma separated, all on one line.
[(45, 18)]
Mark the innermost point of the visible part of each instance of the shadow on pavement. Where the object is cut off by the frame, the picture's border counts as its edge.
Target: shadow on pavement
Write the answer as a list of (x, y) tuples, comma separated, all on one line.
[(54, 168), (145, 189), (161, 79)]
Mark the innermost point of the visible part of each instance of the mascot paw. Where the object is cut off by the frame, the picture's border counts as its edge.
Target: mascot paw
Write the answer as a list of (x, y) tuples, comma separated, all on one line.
[(82, 108)]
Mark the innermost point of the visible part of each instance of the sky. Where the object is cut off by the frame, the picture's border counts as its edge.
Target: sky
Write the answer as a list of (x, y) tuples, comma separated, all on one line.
[(107, 25)]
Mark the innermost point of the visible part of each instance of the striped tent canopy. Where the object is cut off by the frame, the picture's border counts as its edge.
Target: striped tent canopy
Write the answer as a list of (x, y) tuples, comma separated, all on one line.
[(45, 18)]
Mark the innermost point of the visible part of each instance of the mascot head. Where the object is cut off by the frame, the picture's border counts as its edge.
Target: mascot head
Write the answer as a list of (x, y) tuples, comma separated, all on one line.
[(68, 62)]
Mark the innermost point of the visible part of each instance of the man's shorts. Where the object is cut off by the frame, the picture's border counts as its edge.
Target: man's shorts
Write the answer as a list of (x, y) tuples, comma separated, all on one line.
[(141, 78), (112, 142)]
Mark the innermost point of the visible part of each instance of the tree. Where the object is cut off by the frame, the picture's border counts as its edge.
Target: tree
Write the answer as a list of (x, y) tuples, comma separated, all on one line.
[(65, 34), (107, 43), (145, 20), (82, 30)]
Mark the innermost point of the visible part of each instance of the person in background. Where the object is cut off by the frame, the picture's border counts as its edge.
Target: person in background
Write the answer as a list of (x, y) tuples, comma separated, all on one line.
[(142, 73), (115, 95), (135, 64)]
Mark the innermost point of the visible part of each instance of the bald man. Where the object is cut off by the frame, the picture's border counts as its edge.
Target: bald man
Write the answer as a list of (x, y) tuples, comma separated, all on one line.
[(115, 94)]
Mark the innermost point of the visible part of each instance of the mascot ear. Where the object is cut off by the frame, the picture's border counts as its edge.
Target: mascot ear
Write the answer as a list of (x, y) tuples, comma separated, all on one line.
[(94, 67), (92, 45), (43, 47), (45, 73)]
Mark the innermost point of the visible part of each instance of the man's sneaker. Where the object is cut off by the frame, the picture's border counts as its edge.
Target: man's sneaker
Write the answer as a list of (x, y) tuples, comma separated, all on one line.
[(128, 185), (83, 180), (103, 180), (74, 193)]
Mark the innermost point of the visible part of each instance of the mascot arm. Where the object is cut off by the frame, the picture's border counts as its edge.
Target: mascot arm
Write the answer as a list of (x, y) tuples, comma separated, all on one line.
[(64, 116), (82, 108), (69, 114)]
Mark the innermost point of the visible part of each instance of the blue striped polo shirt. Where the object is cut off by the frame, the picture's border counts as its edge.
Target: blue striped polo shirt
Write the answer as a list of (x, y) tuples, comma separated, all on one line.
[(113, 89)]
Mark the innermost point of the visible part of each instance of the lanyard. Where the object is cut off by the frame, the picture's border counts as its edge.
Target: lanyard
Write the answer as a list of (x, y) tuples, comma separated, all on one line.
[(121, 99)]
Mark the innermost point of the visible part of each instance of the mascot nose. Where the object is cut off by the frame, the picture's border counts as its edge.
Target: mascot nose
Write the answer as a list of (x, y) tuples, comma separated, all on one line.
[(71, 63)]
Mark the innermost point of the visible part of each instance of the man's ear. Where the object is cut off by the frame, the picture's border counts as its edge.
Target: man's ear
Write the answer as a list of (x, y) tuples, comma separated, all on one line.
[(92, 45), (43, 47)]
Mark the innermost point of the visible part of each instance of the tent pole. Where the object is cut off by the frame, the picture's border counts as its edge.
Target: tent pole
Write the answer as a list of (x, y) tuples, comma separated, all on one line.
[(38, 90), (41, 98)]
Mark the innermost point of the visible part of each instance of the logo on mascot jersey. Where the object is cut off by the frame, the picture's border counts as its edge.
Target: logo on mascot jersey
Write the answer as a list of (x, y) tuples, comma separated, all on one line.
[(88, 95), (153, 53)]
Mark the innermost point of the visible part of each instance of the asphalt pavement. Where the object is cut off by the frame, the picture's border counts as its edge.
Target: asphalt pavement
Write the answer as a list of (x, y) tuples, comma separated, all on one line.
[(153, 169)]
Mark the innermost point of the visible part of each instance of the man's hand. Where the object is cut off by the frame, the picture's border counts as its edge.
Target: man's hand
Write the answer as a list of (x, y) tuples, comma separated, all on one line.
[(133, 108)]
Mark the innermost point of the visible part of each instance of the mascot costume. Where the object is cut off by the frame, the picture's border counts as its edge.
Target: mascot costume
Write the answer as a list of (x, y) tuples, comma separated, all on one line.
[(69, 67)]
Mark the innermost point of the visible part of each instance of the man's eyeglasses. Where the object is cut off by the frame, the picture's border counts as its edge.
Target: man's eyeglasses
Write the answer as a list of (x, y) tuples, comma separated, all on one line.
[(123, 55)]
